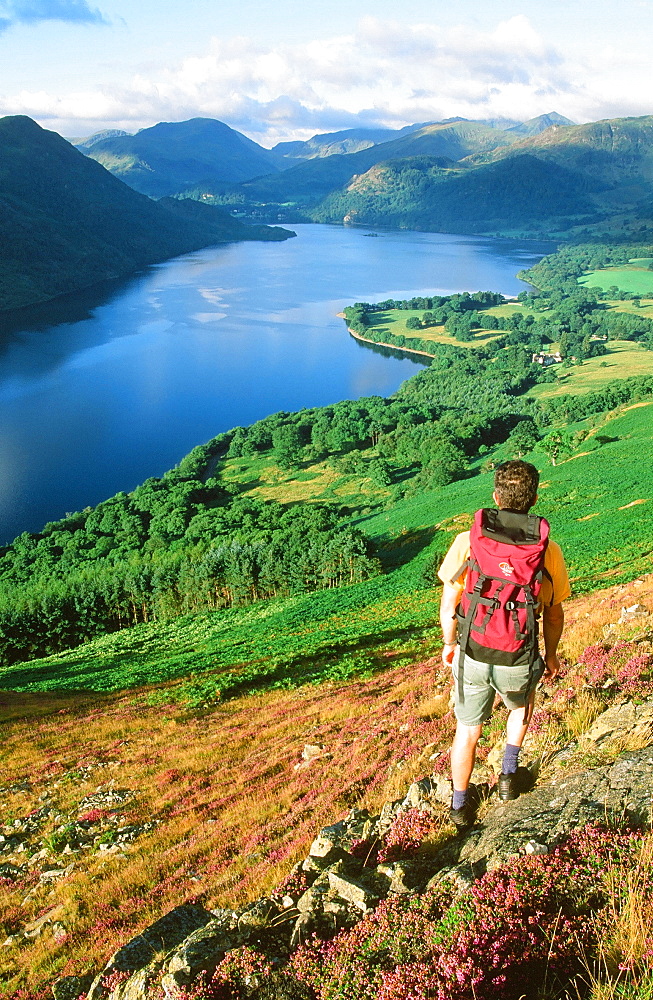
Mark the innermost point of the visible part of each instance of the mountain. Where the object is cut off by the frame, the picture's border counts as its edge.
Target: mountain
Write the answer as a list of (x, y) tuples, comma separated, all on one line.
[(351, 140), (615, 151), (92, 140), (554, 176), (67, 223), (308, 183), (424, 193), (173, 157), (614, 155), (536, 125)]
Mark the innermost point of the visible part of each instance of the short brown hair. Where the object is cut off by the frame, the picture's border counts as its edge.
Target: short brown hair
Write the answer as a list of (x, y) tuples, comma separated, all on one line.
[(515, 484)]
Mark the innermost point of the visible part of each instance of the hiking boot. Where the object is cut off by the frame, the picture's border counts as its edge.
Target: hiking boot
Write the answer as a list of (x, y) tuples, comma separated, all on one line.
[(465, 817), (511, 786)]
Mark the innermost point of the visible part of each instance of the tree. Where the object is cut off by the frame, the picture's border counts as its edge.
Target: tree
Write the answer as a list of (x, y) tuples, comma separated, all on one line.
[(557, 443), (287, 445), (523, 439)]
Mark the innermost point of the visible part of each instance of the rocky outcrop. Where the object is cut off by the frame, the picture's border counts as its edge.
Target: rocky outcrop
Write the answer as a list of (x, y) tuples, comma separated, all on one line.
[(544, 817), (342, 881)]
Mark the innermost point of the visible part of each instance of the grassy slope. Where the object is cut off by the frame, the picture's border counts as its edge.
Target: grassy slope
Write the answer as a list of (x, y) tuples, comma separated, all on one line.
[(233, 810), (596, 502)]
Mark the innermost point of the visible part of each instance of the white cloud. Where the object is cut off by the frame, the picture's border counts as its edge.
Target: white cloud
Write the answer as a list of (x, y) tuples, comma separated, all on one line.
[(383, 72)]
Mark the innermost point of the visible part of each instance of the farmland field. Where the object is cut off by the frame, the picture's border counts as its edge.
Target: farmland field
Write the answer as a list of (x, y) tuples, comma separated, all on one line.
[(634, 277), (624, 359)]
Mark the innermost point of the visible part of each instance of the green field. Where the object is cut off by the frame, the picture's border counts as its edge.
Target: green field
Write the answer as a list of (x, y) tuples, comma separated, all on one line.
[(634, 277), (594, 501), (511, 308), (394, 321), (624, 359), (645, 308)]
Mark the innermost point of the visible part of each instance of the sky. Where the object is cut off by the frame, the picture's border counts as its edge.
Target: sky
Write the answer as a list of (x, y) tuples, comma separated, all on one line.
[(288, 70)]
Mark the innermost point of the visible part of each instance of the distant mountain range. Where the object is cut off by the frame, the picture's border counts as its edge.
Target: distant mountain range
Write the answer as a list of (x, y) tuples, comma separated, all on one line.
[(67, 223), (170, 158), (204, 155), (543, 176)]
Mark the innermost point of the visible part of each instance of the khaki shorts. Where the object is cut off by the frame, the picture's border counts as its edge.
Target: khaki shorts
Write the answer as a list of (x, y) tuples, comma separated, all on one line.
[(483, 681)]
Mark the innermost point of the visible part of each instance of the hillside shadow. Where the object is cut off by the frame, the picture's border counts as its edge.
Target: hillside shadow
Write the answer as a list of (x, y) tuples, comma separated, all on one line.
[(402, 549)]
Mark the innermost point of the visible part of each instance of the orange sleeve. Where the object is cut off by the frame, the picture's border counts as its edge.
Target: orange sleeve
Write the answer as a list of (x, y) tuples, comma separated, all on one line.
[(453, 561), (557, 589)]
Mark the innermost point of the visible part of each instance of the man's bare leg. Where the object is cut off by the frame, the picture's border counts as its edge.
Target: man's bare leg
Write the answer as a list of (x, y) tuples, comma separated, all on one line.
[(515, 728), (463, 754)]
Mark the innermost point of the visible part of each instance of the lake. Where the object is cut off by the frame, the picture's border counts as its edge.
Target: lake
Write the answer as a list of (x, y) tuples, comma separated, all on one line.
[(100, 390)]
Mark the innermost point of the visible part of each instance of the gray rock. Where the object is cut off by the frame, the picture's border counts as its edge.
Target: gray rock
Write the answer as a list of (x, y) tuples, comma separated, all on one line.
[(405, 876), (320, 862), (166, 933), (302, 930), (627, 720), (11, 872), (71, 987), (389, 813), (202, 951), (311, 901), (352, 891), (258, 917), (458, 877), (551, 812), (532, 847), (419, 794)]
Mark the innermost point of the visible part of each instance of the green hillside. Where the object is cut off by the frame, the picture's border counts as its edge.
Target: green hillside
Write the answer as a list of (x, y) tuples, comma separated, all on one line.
[(67, 223), (554, 179), (616, 151), (308, 183), (596, 501), (420, 193)]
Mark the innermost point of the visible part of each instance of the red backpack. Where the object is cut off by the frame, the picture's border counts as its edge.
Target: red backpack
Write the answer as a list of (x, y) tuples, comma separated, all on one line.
[(497, 620)]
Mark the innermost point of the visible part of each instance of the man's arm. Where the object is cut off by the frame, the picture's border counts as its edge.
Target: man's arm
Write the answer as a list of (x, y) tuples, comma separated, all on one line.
[(448, 605), (553, 620)]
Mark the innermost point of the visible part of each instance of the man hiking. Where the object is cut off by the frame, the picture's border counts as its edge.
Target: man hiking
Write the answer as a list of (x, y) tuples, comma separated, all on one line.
[(498, 578)]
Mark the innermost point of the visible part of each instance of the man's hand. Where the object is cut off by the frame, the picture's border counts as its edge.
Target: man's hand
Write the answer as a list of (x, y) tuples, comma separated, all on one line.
[(448, 651), (553, 620), (448, 603), (552, 668)]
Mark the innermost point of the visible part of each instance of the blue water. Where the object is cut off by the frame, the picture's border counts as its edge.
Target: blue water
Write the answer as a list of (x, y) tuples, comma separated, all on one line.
[(105, 388)]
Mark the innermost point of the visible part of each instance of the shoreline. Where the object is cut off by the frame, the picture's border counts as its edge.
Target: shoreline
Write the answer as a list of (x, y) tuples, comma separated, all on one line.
[(391, 347)]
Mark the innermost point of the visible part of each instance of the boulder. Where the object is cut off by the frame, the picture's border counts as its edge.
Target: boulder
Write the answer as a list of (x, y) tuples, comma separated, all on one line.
[(625, 721), (202, 951), (71, 987), (166, 933), (352, 891)]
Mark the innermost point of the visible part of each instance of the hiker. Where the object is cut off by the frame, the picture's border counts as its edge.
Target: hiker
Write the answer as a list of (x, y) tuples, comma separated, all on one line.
[(497, 579)]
